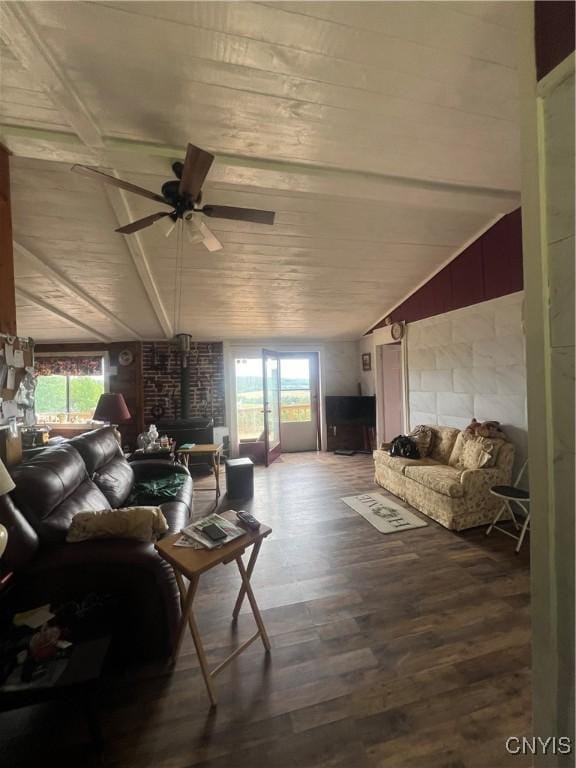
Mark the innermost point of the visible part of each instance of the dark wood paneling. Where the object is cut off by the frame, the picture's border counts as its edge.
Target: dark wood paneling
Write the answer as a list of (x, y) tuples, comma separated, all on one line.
[(554, 33), (7, 292), (490, 267), (128, 381)]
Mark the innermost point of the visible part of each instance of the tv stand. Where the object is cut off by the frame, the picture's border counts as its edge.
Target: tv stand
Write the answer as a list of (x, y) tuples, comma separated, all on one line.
[(350, 437)]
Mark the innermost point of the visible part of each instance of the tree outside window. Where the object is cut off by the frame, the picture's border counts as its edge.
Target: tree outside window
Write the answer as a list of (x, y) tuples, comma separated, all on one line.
[(68, 389)]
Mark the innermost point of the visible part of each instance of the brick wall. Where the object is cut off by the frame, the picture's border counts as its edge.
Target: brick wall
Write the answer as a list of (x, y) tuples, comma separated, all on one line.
[(161, 380)]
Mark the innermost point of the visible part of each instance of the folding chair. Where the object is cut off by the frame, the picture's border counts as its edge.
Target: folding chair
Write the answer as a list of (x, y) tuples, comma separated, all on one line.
[(509, 494)]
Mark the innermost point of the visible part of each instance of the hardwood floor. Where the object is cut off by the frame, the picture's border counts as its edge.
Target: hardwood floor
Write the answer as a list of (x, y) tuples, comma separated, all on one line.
[(410, 650)]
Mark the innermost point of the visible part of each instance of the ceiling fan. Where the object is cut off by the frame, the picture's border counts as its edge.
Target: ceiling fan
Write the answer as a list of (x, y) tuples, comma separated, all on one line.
[(184, 196)]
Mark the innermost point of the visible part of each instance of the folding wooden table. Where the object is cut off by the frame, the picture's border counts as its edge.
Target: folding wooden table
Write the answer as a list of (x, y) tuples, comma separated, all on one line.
[(211, 450), (191, 564)]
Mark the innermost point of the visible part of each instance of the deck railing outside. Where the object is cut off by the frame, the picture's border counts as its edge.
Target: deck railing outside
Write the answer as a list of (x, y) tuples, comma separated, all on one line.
[(251, 418)]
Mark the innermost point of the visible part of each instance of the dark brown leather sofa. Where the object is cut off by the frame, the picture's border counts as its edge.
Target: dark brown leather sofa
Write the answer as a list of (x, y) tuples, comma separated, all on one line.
[(90, 473)]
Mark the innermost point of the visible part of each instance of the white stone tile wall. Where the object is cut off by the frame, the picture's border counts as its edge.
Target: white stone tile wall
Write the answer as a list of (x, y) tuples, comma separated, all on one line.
[(470, 363), (339, 361)]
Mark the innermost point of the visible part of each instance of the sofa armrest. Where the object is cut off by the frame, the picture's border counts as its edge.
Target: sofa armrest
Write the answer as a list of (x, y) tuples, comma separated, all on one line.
[(153, 469), (128, 569), (479, 481)]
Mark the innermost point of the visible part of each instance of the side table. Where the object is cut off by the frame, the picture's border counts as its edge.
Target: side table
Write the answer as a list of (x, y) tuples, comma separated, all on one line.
[(211, 450), (165, 454), (191, 563), (79, 680)]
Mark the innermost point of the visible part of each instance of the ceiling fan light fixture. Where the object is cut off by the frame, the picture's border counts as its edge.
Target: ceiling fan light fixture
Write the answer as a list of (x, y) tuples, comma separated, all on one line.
[(192, 233)]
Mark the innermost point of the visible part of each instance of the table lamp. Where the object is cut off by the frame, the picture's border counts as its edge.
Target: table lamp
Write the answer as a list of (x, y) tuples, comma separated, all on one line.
[(112, 409), (6, 485)]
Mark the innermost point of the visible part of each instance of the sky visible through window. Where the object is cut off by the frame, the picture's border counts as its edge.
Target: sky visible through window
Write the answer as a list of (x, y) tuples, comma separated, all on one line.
[(294, 397)]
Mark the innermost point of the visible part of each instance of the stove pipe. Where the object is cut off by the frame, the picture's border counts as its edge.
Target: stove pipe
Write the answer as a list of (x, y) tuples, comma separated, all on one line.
[(183, 342)]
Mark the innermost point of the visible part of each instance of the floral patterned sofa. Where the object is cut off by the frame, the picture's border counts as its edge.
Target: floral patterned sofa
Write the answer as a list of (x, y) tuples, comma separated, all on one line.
[(440, 487)]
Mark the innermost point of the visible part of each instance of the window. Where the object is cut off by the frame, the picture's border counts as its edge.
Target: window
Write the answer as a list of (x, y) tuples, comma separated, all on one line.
[(68, 388), (249, 399)]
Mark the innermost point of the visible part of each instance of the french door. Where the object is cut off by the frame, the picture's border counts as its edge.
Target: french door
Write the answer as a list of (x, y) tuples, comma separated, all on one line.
[(271, 390), (299, 417)]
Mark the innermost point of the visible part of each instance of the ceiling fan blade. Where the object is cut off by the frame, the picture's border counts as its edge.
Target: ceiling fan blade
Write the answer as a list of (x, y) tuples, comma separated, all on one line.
[(210, 240), (92, 173), (239, 214), (196, 167), (147, 221)]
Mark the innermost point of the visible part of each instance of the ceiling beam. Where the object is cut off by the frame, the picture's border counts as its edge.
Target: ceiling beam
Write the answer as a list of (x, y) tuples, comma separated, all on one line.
[(45, 268), (60, 314), (19, 32), (122, 211), (258, 173)]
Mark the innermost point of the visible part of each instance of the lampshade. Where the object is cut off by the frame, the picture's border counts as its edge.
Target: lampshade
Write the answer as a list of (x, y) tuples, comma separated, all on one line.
[(6, 482), (111, 408)]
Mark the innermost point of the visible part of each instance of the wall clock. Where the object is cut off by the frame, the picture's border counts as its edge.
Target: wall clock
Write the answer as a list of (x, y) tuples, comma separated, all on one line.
[(397, 331), (125, 357)]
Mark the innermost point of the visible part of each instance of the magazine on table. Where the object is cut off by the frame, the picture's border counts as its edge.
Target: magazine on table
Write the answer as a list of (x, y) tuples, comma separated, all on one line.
[(193, 533)]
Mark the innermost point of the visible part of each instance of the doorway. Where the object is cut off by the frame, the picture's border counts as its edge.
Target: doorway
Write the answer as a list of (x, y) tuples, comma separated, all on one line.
[(277, 404), (299, 418), (391, 415)]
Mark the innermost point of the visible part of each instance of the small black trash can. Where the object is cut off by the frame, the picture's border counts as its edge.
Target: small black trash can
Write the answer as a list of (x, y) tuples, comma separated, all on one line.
[(240, 478)]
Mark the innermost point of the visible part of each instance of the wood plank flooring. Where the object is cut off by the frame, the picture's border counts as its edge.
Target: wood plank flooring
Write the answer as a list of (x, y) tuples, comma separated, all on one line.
[(410, 650)]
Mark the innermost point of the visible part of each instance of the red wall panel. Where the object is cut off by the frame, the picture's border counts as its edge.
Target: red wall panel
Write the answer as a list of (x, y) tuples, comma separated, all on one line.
[(554, 33), (488, 268), (467, 277)]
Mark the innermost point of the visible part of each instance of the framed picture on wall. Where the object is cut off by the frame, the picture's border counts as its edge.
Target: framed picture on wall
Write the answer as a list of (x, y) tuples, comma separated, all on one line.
[(366, 361)]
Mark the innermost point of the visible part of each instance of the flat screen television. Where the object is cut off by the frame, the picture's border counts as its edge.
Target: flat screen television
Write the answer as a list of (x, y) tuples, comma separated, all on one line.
[(349, 409)]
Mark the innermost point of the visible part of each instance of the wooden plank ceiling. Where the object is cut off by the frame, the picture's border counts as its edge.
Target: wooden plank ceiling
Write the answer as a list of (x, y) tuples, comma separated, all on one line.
[(384, 135)]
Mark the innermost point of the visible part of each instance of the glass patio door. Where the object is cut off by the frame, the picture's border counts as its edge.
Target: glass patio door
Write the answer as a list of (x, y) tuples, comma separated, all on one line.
[(271, 387)]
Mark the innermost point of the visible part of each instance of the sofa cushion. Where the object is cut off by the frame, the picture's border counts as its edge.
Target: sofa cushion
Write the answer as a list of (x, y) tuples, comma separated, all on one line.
[(440, 478), (422, 436), (52, 487), (398, 463), (455, 456), (115, 480), (477, 453), (106, 464), (97, 448), (443, 443)]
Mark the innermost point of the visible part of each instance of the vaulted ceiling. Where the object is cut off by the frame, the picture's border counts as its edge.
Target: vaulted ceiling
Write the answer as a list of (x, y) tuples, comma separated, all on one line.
[(384, 135)]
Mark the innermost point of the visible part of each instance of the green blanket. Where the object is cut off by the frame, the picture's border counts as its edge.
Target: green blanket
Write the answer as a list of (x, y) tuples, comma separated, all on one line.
[(154, 492)]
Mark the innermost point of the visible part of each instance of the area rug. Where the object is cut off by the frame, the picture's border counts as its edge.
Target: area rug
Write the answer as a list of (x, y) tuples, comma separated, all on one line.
[(384, 514)]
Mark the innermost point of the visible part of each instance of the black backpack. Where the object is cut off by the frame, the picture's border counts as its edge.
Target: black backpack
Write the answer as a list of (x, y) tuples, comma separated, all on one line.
[(404, 447)]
